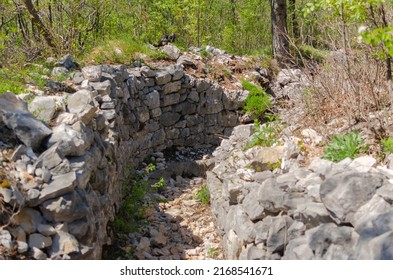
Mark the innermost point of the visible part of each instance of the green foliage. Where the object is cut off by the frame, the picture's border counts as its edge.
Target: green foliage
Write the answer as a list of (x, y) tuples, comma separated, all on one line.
[(344, 146), (381, 39), (265, 135), (203, 195), (257, 102), (387, 145), (133, 208)]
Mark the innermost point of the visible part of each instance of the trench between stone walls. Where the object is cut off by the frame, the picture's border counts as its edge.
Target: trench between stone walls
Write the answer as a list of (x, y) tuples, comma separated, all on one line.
[(115, 119)]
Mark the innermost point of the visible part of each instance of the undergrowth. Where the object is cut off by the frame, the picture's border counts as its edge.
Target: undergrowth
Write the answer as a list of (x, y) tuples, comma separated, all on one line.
[(349, 145), (257, 102), (265, 135), (133, 208), (203, 195)]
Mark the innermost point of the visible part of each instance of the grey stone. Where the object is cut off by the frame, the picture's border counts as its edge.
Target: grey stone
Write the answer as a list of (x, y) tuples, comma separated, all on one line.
[(169, 118), (232, 245), (386, 192), (46, 229), (193, 96), (39, 241), (59, 71), (252, 252), (14, 114), (234, 100), (81, 104), (38, 254), (103, 88), (143, 114), (6, 194), (312, 214), (22, 247), (345, 193), (363, 164), (78, 228), (272, 198), (66, 61), (374, 207), (45, 107), (172, 51), (6, 239), (327, 242), (163, 77), (50, 158), (147, 72), (172, 87), (92, 73), (176, 71), (170, 99), (60, 185), (71, 142), (184, 60), (64, 244), (320, 166), (152, 100), (28, 219), (109, 114), (211, 102), (378, 248)]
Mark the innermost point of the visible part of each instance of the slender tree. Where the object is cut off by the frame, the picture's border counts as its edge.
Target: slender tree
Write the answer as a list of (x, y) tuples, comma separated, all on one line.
[(36, 20), (280, 40)]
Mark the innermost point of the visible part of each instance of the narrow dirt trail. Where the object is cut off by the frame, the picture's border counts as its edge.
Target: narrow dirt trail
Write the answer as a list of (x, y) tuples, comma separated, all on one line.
[(180, 228)]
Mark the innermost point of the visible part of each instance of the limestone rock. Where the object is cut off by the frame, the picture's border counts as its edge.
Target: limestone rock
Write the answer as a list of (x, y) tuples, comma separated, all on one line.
[(6, 239), (172, 51), (14, 114), (39, 241), (64, 244), (45, 107), (71, 142), (60, 185), (345, 193), (92, 73), (81, 104)]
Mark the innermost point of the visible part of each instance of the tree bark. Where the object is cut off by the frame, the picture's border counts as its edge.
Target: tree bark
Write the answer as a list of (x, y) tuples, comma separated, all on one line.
[(40, 25), (280, 42)]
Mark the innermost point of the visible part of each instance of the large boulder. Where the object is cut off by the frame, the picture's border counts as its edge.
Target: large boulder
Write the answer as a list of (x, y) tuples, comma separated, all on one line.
[(14, 114)]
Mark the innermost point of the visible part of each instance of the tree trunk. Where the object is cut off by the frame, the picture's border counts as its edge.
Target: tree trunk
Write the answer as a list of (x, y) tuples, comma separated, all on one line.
[(40, 25), (280, 31)]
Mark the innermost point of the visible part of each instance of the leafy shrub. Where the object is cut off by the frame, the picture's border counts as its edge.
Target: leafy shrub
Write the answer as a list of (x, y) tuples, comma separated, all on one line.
[(387, 145), (265, 135), (342, 146), (203, 195), (257, 102)]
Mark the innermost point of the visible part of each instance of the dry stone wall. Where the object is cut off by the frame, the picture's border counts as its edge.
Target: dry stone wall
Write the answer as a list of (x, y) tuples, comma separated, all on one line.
[(323, 211), (66, 174)]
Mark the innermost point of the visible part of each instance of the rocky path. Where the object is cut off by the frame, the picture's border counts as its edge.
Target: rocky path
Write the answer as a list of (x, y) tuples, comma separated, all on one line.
[(180, 228)]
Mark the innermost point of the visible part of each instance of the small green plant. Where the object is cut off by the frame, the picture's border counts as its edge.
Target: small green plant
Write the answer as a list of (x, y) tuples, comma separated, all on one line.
[(265, 135), (212, 252), (203, 195), (387, 145), (342, 146), (257, 102), (133, 208)]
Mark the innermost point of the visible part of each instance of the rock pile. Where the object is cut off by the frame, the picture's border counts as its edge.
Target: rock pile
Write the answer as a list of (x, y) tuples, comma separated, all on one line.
[(323, 211), (65, 177)]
